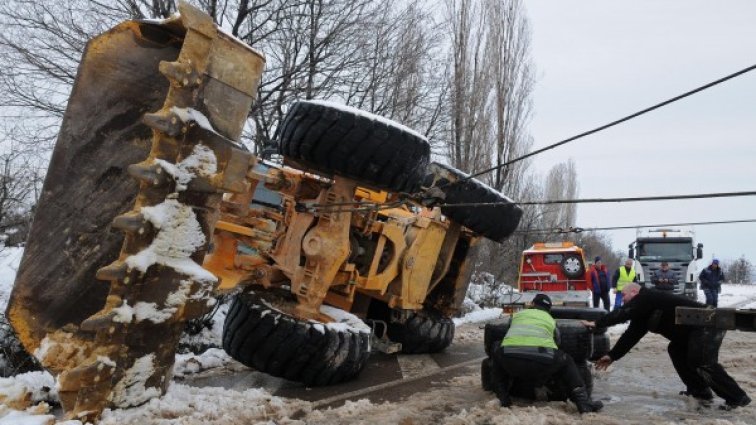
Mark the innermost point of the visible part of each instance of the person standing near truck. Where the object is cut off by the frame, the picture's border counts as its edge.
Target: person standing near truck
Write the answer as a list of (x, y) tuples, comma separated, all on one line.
[(665, 278), (600, 283), (711, 282), (624, 275), (529, 351)]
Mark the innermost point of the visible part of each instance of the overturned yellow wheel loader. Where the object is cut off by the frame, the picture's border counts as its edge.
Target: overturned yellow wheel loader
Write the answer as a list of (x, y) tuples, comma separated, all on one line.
[(150, 208)]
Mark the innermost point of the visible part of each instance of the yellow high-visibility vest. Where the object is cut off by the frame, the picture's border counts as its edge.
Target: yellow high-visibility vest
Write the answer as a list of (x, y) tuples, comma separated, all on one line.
[(531, 328), (625, 277)]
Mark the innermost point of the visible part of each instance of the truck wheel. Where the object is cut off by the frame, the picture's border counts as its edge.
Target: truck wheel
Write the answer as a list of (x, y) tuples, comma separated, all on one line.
[(495, 222), (577, 340), (493, 333), (339, 140), (573, 266), (485, 374), (423, 332), (580, 313), (275, 343), (601, 346), (577, 313)]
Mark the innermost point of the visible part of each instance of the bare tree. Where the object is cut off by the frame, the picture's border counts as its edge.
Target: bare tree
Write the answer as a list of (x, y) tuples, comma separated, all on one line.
[(740, 271), (561, 183), (470, 82)]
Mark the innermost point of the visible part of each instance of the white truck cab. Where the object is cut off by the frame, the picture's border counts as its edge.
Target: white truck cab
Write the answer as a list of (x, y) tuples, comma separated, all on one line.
[(677, 247)]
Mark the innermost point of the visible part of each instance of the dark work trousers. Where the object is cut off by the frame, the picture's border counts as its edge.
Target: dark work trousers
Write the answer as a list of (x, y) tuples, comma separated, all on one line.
[(696, 360), (712, 296), (604, 297), (507, 367)]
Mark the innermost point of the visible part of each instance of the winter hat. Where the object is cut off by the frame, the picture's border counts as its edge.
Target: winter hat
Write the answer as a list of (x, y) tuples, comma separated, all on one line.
[(543, 301), (715, 261), (597, 259)]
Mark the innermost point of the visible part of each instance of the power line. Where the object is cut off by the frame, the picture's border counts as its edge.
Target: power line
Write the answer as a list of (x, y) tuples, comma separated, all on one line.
[(370, 206), (637, 226), (616, 122), (609, 200)]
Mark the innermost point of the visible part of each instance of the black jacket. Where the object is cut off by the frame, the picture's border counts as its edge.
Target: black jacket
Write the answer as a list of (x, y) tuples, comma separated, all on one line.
[(711, 278), (648, 311), (664, 280)]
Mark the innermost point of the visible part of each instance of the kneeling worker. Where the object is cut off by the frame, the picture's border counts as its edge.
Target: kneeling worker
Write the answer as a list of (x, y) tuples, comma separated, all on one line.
[(529, 351)]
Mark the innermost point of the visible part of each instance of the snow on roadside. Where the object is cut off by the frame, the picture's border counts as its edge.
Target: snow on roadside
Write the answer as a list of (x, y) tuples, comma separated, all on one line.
[(10, 258), (187, 405), (477, 316)]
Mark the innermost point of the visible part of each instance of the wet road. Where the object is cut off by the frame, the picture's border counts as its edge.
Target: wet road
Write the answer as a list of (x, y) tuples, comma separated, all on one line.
[(386, 377)]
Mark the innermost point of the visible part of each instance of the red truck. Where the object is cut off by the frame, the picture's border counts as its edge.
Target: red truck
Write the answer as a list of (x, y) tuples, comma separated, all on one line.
[(556, 268)]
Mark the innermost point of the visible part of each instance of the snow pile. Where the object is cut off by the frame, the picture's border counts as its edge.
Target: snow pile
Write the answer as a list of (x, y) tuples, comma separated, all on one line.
[(481, 315), (188, 364), (735, 296), (10, 258), (485, 291), (368, 115), (190, 405), (343, 321), (193, 115), (179, 237), (208, 334), (201, 162), (131, 389), (26, 388), (150, 311)]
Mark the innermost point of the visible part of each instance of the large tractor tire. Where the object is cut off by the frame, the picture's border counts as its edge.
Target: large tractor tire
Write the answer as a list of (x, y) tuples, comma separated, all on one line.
[(601, 346), (576, 339), (485, 374), (580, 313), (335, 139), (496, 221), (280, 345), (423, 332), (493, 333)]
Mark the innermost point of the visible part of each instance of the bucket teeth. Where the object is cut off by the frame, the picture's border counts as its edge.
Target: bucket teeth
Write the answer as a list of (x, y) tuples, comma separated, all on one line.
[(180, 74), (169, 124), (131, 222), (98, 322), (76, 378), (148, 173), (116, 270)]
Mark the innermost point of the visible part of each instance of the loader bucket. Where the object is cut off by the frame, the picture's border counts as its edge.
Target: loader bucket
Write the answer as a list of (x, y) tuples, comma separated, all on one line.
[(109, 275)]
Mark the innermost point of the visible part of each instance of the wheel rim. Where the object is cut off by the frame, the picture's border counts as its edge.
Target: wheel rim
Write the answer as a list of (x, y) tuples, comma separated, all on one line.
[(572, 265)]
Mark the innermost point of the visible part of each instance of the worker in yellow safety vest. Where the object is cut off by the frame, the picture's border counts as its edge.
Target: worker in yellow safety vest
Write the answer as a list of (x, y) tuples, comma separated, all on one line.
[(624, 275), (529, 351)]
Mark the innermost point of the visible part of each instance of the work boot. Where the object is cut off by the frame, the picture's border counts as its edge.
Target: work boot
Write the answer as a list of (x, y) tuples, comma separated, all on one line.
[(501, 389), (703, 395), (733, 404), (583, 401)]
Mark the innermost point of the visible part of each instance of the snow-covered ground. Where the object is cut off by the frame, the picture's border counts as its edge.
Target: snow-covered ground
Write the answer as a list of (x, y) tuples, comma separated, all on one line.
[(459, 401)]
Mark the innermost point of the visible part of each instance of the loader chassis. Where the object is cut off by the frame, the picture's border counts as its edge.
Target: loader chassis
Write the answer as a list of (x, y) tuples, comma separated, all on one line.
[(342, 231)]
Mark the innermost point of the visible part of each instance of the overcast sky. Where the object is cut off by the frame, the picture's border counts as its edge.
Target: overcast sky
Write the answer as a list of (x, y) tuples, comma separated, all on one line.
[(598, 61)]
